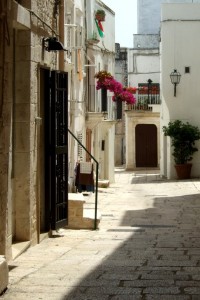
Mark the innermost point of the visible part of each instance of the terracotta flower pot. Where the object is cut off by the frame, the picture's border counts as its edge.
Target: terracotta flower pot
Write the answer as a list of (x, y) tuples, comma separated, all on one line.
[(183, 171), (100, 17)]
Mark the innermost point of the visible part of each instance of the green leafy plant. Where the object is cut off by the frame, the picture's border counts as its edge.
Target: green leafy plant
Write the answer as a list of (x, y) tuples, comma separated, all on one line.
[(183, 137)]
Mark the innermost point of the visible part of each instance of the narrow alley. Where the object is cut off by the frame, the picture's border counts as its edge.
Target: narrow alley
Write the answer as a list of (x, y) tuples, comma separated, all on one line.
[(147, 247)]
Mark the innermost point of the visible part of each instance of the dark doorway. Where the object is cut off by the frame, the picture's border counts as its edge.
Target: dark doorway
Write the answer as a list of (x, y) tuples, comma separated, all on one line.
[(56, 148)]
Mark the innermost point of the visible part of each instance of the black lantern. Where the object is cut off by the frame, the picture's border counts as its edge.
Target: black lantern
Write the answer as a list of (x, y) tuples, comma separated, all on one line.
[(175, 79), (52, 44)]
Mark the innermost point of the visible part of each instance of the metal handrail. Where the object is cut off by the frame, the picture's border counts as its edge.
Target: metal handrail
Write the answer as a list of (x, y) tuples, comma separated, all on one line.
[(97, 171)]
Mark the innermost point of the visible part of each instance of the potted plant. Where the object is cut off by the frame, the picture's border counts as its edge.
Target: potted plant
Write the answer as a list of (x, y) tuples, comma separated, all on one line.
[(183, 137), (100, 15)]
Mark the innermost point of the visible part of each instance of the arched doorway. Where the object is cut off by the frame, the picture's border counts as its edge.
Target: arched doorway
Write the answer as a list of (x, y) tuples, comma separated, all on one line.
[(146, 145)]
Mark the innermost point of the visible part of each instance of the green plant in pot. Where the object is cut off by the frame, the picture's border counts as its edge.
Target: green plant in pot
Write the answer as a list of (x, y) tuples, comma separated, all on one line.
[(183, 136)]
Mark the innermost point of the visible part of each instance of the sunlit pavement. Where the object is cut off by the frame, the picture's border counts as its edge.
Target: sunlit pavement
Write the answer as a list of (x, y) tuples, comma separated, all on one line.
[(147, 247)]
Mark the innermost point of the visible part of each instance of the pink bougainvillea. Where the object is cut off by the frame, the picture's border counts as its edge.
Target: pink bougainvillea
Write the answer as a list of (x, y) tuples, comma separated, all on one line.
[(110, 84), (107, 81), (125, 96)]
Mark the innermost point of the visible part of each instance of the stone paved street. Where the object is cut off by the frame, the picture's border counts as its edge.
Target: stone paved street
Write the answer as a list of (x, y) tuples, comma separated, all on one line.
[(147, 247)]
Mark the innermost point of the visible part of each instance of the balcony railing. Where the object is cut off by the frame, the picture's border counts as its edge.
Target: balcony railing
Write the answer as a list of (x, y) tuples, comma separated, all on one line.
[(101, 102), (104, 103), (144, 102)]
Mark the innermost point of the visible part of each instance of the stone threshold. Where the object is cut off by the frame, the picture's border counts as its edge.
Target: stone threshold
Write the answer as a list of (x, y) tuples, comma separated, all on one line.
[(19, 247)]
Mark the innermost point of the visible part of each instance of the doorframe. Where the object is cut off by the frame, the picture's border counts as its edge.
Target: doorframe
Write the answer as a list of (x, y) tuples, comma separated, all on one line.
[(133, 118)]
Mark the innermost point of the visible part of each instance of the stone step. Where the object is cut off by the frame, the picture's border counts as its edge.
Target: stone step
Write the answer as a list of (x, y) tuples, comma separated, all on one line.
[(81, 217), (19, 247), (103, 183), (89, 216), (3, 274)]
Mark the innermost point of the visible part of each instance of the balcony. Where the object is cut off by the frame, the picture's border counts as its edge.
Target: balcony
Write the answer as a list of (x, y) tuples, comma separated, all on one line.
[(146, 102)]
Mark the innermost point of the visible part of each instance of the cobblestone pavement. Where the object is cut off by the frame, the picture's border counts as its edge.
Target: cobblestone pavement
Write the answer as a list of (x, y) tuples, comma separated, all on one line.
[(147, 247)]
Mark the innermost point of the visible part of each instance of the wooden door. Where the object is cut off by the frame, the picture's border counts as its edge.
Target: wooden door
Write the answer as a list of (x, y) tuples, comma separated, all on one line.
[(146, 145)]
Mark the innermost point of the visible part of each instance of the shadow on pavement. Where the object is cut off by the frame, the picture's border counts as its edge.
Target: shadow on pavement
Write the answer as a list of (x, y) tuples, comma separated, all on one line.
[(158, 256)]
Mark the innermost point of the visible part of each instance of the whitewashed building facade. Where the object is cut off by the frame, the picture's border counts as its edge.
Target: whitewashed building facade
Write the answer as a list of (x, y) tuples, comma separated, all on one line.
[(180, 25), (100, 109)]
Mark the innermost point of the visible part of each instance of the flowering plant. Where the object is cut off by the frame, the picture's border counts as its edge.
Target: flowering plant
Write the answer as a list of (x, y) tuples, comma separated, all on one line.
[(131, 90), (125, 96), (106, 80), (102, 75), (110, 84)]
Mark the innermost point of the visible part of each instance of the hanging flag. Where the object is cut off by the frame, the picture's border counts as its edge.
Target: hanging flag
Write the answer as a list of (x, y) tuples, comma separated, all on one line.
[(100, 28)]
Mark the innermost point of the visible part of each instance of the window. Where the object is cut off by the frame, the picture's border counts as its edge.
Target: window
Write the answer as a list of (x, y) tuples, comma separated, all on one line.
[(187, 70)]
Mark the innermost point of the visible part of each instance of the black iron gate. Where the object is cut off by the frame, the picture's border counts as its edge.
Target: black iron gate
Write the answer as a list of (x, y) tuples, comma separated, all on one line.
[(57, 152)]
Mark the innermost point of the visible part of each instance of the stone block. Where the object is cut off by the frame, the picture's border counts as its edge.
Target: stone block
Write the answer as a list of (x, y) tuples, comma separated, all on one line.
[(76, 197), (80, 218), (3, 274), (21, 17), (103, 183), (22, 137)]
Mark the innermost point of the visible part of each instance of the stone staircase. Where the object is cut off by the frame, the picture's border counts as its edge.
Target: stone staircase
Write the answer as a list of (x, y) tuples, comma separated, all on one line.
[(81, 211)]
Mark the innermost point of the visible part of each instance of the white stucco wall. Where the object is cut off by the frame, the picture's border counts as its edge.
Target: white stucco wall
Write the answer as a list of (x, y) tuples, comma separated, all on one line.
[(147, 41), (149, 14), (142, 65), (180, 29)]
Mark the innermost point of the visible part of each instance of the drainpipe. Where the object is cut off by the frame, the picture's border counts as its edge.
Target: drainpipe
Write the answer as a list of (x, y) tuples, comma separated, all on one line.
[(61, 33), (73, 96), (3, 25), (13, 103)]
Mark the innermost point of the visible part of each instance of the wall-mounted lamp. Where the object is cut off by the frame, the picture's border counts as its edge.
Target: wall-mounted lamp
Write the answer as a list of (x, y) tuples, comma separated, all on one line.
[(52, 44), (175, 79)]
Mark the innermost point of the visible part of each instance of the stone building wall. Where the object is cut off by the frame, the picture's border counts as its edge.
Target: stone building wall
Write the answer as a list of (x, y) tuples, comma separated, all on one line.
[(30, 56), (19, 142), (5, 126)]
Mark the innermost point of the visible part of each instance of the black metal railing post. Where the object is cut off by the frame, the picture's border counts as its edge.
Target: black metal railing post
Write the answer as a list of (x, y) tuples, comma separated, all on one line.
[(149, 89), (96, 184)]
